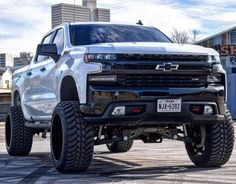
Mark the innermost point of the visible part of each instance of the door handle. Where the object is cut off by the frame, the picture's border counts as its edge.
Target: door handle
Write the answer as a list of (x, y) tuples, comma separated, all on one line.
[(29, 73), (43, 69)]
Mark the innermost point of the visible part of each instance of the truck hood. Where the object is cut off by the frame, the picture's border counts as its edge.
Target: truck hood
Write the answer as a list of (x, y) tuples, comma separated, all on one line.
[(150, 48)]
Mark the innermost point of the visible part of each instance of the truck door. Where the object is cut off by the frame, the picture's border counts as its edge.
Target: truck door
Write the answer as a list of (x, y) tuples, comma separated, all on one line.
[(48, 81), (39, 94)]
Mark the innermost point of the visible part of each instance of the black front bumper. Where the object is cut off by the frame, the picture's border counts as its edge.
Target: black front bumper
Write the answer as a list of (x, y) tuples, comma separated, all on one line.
[(102, 101)]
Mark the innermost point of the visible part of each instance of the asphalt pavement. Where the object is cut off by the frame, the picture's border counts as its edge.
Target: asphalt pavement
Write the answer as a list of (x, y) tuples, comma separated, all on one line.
[(145, 163)]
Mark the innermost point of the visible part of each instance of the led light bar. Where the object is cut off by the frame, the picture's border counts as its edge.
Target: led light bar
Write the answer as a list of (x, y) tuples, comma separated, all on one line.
[(99, 57), (103, 78)]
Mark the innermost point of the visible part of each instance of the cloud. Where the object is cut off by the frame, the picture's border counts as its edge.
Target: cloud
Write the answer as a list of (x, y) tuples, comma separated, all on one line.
[(207, 16), (155, 13), (22, 24)]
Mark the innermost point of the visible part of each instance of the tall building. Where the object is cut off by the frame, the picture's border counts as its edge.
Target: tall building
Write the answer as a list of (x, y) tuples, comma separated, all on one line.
[(69, 13), (91, 4), (101, 15), (24, 59), (6, 60), (62, 13)]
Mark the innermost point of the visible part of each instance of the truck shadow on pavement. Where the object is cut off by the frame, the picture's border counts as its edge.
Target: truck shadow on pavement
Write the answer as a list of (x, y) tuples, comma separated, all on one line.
[(103, 169)]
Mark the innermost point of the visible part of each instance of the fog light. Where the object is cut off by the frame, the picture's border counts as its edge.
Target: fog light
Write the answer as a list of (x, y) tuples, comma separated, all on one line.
[(119, 111), (208, 110)]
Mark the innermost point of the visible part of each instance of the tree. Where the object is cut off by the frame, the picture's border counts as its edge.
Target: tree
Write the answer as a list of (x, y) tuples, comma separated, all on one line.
[(183, 37), (194, 33)]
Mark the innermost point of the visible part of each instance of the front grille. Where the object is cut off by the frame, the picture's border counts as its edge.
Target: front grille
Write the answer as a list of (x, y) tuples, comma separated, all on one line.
[(162, 80), (160, 57), (153, 66)]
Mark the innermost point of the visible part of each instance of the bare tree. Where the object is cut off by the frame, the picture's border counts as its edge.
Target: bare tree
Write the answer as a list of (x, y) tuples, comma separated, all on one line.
[(194, 34), (183, 37)]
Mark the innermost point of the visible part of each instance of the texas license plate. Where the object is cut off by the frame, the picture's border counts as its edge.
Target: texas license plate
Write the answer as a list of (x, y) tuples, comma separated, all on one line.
[(169, 105)]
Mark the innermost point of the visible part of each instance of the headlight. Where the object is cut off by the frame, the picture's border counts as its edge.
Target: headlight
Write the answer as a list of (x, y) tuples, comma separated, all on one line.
[(214, 78), (215, 59), (99, 57)]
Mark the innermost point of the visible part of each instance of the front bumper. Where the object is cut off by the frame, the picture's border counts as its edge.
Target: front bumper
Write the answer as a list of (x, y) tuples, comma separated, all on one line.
[(103, 100)]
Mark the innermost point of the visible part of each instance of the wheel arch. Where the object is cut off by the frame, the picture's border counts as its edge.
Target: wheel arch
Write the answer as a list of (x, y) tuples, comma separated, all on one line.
[(68, 89), (15, 94)]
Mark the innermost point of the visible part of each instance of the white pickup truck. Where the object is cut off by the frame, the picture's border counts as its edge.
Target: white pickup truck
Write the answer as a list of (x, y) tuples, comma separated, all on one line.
[(101, 83)]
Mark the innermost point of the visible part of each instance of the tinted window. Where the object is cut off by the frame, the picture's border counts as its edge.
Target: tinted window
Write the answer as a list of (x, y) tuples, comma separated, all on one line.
[(59, 40), (47, 39), (93, 34)]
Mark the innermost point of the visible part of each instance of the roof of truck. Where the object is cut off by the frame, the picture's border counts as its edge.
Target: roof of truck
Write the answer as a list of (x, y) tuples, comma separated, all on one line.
[(105, 23)]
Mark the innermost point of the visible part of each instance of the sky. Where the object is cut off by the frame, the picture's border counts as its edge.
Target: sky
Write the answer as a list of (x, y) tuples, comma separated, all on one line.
[(23, 23)]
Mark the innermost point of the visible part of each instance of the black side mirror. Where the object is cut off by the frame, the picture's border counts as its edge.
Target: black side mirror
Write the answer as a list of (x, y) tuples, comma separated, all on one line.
[(48, 50)]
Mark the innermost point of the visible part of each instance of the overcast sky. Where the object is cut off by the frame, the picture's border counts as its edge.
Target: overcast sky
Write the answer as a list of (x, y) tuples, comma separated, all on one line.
[(24, 22)]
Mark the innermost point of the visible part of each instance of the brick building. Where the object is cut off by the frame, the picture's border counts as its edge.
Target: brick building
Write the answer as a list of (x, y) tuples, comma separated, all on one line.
[(225, 43)]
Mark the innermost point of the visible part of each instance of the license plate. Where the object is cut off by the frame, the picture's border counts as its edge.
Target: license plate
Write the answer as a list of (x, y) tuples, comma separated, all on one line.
[(169, 105)]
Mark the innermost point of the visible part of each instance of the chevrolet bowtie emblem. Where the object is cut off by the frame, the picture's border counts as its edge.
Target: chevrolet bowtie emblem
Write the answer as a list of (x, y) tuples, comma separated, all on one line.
[(167, 67)]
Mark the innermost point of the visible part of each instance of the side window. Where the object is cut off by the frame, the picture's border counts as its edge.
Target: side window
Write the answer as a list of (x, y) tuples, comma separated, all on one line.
[(47, 39), (59, 41)]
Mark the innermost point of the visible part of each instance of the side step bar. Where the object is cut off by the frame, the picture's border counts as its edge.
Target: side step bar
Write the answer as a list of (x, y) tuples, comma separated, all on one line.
[(38, 125)]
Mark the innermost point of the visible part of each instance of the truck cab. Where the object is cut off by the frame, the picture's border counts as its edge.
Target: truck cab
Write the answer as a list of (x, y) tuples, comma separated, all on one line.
[(106, 83)]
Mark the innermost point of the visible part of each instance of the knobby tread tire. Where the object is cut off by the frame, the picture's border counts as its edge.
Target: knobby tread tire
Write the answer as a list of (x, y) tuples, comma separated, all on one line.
[(78, 142), (120, 146), (20, 143), (219, 144)]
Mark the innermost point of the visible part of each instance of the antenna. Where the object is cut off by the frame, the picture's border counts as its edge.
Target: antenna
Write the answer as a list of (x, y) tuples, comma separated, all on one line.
[(139, 22)]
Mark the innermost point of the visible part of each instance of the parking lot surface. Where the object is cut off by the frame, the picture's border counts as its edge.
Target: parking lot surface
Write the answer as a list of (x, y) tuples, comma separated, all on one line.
[(145, 163)]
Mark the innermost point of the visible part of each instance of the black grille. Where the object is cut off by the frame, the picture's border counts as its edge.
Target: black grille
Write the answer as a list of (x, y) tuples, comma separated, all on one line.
[(153, 66), (162, 80), (160, 57)]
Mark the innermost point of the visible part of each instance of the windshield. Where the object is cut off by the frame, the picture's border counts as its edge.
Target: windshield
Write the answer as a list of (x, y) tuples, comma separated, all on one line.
[(108, 33)]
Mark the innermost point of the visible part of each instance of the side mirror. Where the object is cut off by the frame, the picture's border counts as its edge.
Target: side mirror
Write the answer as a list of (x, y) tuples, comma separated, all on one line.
[(48, 50)]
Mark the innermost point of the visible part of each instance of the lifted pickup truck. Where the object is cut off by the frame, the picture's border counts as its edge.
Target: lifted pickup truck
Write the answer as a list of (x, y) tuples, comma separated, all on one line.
[(101, 83)]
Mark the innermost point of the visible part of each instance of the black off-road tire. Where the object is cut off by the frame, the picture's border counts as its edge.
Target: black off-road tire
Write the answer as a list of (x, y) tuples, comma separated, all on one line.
[(218, 144), (120, 146), (18, 138), (72, 139)]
